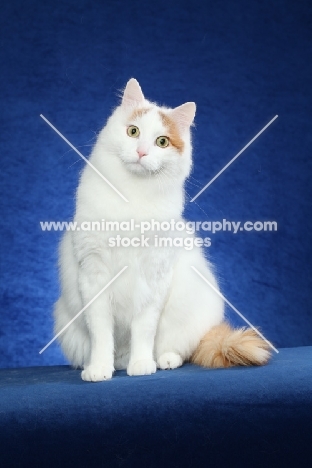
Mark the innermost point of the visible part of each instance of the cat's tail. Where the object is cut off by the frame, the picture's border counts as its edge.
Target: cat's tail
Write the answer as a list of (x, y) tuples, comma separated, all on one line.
[(223, 346)]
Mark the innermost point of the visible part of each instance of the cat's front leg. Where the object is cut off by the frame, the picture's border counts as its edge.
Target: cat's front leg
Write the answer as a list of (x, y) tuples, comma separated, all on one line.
[(99, 319), (143, 331)]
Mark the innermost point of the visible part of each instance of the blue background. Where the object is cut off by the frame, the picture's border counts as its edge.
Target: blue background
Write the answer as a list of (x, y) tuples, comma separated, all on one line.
[(242, 63)]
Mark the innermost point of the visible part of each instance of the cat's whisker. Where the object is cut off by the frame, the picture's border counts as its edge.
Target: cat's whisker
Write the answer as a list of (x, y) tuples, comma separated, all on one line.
[(83, 146), (191, 183), (190, 197), (163, 177), (190, 176), (75, 162), (160, 181), (160, 177)]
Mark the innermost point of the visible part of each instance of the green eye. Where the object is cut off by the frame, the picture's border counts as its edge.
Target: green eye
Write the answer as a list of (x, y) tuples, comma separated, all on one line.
[(162, 142), (133, 131)]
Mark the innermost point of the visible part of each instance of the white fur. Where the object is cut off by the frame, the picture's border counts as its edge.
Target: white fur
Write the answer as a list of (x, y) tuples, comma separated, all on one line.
[(157, 311)]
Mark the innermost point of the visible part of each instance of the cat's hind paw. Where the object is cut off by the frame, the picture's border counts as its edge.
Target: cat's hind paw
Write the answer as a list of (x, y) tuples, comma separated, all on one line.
[(169, 361), (142, 367), (95, 373)]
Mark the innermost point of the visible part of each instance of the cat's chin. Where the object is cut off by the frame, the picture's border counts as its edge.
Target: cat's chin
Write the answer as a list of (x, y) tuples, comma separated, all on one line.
[(138, 169)]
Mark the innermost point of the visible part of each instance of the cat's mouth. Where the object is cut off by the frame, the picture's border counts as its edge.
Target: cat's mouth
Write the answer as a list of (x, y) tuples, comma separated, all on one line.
[(137, 168)]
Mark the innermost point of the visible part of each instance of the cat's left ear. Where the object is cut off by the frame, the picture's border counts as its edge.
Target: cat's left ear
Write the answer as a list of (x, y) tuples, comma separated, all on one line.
[(184, 115), (132, 96)]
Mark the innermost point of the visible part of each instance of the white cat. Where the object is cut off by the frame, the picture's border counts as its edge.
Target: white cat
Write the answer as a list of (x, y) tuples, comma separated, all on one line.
[(158, 312)]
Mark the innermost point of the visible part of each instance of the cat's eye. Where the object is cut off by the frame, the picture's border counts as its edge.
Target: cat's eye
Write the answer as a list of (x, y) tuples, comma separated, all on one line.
[(162, 142), (133, 131)]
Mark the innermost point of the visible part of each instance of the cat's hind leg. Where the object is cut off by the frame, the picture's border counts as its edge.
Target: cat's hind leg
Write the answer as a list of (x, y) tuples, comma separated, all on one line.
[(190, 311), (169, 360), (75, 339)]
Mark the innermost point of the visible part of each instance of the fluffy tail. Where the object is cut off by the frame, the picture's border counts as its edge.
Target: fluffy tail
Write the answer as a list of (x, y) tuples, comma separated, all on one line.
[(224, 346)]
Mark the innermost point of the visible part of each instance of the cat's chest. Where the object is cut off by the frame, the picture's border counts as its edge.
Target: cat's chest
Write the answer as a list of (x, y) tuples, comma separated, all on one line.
[(146, 279)]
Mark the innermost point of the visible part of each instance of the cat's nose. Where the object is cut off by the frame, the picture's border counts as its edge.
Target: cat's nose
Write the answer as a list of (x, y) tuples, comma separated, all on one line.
[(141, 152)]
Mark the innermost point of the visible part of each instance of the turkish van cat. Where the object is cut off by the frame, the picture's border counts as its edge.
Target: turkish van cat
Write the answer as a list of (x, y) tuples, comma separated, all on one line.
[(158, 312)]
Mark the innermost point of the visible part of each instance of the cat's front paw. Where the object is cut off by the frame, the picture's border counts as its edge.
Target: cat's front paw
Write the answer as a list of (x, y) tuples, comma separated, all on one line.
[(95, 373), (169, 361), (142, 367)]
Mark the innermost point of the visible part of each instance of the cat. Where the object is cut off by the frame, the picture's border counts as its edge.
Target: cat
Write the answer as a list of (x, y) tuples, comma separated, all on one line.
[(158, 313)]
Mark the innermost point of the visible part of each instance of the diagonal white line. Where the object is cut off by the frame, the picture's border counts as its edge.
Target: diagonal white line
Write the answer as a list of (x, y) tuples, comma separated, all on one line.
[(235, 310), (83, 309), (233, 159), (85, 159)]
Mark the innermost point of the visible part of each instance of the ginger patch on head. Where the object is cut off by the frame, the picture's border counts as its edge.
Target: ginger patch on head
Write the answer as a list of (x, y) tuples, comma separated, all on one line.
[(173, 132), (139, 112)]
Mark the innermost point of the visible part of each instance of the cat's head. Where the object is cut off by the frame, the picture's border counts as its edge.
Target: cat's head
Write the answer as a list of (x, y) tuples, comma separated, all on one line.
[(150, 139)]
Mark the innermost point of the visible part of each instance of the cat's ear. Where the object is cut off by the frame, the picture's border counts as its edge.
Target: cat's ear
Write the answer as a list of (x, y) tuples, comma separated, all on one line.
[(132, 95), (184, 115)]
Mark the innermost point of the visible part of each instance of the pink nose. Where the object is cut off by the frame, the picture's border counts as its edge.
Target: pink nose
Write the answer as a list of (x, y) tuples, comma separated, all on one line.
[(141, 152)]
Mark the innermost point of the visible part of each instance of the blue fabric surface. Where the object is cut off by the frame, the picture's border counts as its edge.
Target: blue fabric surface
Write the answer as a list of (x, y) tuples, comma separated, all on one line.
[(189, 417), (242, 63)]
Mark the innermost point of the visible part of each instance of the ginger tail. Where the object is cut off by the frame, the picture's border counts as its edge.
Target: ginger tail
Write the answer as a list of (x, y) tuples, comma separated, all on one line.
[(223, 346)]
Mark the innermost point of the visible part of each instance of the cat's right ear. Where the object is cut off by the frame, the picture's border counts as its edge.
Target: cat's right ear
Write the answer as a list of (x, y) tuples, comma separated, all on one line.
[(132, 96)]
